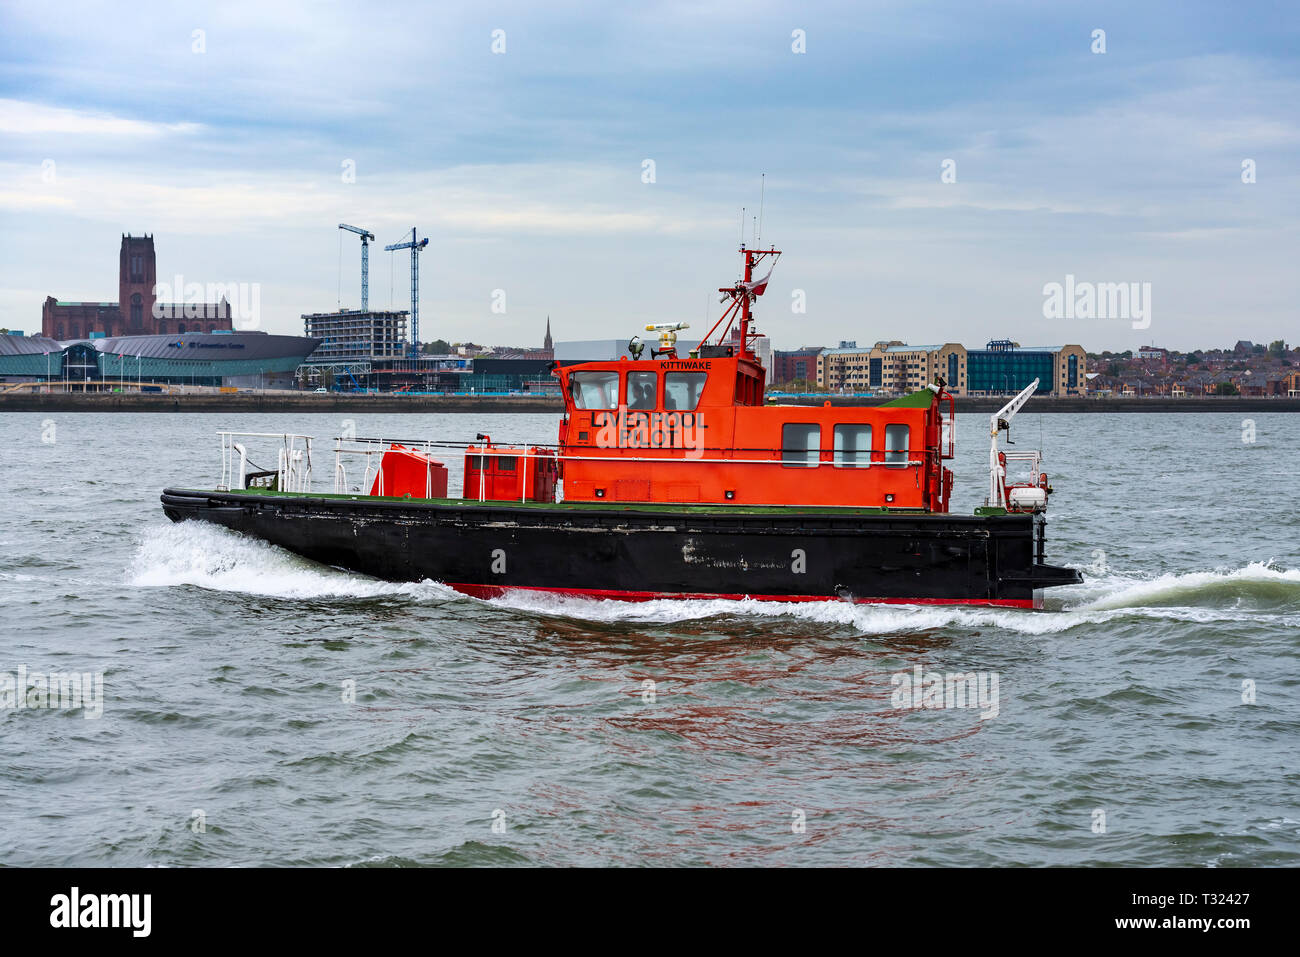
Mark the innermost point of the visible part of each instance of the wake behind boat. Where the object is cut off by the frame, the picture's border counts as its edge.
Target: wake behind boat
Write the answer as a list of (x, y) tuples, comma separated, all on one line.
[(671, 478)]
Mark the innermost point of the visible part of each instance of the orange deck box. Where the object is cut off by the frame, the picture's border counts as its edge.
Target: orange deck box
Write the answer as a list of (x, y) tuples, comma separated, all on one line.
[(405, 471), (512, 474)]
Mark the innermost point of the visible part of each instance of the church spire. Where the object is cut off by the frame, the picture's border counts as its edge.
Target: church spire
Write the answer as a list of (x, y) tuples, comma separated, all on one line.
[(547, 344)]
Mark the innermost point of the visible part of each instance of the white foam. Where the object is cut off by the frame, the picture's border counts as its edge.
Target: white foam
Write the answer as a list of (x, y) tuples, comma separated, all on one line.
[(1132, 592), (209, 556), (1100, 599), (864, 619)]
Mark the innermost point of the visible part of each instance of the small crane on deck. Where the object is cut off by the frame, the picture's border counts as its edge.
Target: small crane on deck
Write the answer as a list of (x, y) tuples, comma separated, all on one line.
[(414, 245)]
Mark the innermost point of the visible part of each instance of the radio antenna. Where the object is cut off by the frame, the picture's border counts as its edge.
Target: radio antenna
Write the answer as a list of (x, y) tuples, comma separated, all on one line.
[(742, 225), (762, 193)]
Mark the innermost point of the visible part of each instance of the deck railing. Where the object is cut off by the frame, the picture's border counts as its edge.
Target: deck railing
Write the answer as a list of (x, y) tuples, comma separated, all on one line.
[(293, 460)]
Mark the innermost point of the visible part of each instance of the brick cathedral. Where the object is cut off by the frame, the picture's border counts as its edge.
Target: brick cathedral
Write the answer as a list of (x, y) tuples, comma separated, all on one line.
[(134, 313)]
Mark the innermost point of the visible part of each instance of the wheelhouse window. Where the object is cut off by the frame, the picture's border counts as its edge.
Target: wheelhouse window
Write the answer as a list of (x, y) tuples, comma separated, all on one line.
[(682, 390), (896, 442), (852, 446), (800, 445), (642, 390), (594, 390)]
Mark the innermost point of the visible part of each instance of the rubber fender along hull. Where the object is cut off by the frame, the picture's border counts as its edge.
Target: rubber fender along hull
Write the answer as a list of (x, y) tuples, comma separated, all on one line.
[(489, 549)]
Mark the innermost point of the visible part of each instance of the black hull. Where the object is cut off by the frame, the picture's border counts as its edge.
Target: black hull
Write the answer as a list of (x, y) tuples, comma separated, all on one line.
[(491, 548)]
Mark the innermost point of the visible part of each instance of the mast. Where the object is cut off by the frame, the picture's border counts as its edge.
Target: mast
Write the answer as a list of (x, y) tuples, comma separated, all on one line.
[(742, 295), (744, 308)]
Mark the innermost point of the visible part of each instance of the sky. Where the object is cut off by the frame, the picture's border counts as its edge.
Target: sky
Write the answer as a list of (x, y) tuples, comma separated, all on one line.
[(927, 168)]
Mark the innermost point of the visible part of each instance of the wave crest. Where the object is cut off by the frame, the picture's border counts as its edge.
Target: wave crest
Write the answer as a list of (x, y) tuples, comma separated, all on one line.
[(209, 556), (1260, 586)]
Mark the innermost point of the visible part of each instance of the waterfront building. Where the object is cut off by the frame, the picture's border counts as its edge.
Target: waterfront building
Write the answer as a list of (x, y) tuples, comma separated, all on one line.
[(794, 365), (1002, 367), (229, 359), (137, 310), (891, 367)]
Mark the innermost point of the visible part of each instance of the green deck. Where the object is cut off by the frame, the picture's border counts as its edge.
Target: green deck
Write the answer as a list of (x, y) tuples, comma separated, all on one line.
[(612, 506)]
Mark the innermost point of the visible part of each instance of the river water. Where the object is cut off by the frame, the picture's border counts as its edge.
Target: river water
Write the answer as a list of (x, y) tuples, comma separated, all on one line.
[(1150, 716)]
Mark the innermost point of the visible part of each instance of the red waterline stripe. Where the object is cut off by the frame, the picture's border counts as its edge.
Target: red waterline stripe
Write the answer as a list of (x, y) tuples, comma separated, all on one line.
[(499, 591)]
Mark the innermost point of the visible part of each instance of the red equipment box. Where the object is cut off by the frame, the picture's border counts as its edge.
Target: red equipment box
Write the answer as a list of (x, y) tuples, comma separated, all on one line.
[(404, 471), (512, 474)]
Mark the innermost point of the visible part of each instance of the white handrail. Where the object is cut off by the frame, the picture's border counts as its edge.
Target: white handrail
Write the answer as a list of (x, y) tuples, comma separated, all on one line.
[(293, 463), (243, 462)]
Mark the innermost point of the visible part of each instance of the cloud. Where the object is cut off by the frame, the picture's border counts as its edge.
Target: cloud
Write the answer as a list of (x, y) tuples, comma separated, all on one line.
[(28, 202), (538, 199), (37, 119)]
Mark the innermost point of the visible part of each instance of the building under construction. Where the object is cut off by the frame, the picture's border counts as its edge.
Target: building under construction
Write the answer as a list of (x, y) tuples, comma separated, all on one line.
[(369, 349), (353, 334)]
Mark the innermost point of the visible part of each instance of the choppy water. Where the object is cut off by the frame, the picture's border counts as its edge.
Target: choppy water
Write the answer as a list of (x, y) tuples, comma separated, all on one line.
[(224, 662)]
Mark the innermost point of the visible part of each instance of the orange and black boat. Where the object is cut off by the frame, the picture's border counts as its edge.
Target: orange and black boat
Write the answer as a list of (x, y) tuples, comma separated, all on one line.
[(671, 478)]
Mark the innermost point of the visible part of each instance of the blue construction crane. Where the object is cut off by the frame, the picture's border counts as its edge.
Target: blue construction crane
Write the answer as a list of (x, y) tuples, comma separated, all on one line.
[(366, 236), (415, 245)]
